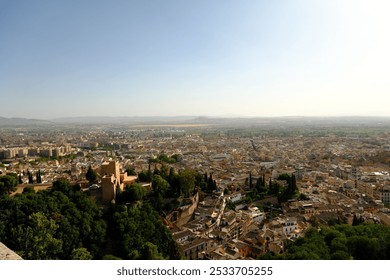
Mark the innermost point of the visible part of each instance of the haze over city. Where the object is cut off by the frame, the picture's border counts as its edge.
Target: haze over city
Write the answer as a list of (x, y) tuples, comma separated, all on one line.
[(214, 58), (195, 130)]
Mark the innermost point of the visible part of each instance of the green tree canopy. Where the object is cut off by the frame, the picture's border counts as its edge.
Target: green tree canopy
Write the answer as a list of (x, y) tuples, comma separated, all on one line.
[(160, 185), (91, 175), (362, 242), (81, 254), (135, 192), (37, 240), (187, 182), (8, 184), (65, 223)]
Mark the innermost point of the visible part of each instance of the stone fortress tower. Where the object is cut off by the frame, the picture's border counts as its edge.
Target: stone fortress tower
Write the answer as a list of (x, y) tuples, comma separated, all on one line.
[(112, 178)]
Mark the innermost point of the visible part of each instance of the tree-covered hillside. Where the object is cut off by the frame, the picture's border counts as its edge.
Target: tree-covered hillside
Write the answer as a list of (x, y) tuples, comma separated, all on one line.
[(65, 223), (340, 242)]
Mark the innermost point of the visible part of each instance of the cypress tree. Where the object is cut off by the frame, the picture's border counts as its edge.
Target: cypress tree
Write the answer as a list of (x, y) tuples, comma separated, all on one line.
[(294, 184), (171, 176), (30, 178), (40, 176), (150, 175), (91, 174), (210, 182), (259, 184)]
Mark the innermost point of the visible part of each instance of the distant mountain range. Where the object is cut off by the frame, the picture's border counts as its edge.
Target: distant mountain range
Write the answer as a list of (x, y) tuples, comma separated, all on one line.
[(22, 122), (218, 121), (121, 120)]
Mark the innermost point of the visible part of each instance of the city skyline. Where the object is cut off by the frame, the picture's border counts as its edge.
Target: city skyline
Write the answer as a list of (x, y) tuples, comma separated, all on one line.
[(194, 58)]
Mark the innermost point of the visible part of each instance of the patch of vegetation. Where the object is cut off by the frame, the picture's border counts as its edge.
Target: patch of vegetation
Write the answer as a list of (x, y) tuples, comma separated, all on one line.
[(340, 242), (163, 158), (64, 223)]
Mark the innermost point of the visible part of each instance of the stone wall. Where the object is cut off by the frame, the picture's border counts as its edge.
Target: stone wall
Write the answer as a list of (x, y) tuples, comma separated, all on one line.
[(184, 214), (8, 254)]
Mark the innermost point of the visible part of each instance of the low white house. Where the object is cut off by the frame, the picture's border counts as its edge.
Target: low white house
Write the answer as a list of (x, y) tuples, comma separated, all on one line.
[(182, 236), (235, 197), (289, 226), (256, 214)]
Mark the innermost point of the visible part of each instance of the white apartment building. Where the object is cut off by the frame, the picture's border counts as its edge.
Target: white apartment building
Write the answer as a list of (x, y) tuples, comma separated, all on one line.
[(385, 194)]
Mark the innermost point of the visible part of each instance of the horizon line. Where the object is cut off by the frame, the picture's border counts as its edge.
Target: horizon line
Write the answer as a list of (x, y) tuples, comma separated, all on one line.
[(197, 116)]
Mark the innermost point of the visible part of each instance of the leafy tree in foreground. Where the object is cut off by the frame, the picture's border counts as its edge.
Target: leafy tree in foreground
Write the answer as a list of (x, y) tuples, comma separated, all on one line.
[(132, 227), (37, 223), (81, 254), (8, 184), (361, 242), (64, 223), (37, 241)]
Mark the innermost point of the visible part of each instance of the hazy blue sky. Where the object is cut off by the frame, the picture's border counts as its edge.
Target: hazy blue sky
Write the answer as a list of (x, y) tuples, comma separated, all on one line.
[(216, 58)]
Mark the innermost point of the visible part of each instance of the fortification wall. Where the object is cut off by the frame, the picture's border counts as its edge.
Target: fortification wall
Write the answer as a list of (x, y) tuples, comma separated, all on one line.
[(184, 214), (8, 254)]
